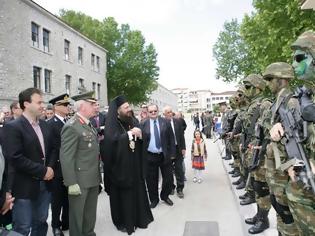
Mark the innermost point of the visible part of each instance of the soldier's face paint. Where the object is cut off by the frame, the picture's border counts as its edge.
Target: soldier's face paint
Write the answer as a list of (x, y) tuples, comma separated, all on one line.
[(303, 65)]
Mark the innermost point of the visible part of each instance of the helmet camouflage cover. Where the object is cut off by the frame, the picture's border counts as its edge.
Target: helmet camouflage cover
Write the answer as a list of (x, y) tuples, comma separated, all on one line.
[(305, 42), (279, 70), (255, 80)]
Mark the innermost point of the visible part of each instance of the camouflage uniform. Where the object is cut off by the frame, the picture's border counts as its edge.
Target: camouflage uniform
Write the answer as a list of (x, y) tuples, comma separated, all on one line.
[(236, 132), (250, 118), (302, 201), (276, 178)]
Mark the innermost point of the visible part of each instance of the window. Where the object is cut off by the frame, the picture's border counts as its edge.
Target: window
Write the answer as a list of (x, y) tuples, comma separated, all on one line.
[(47, 81), (226, 98), (98, 63), (98, 91), (221, 98), (67, 49), (46, 40), (81, 82), (93, 61), (35, 38), (217, 98), (80, 55), (213, 98), (94, 87), (36, 76), (68, 84)]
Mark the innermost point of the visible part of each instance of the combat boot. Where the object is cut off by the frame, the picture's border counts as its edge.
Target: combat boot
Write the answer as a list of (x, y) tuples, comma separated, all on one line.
[(243, 196), (237, 182), (249, 199), (261, 224), (236, 173), (232, 172), (253, 220), (241, 185)]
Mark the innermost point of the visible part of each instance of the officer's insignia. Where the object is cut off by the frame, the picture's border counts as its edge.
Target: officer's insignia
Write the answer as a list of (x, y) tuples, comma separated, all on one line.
[(132, 145)]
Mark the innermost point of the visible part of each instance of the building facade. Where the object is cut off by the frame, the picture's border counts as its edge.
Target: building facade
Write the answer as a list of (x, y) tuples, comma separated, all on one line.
[(199, 100), (37, 49), (163, 97)]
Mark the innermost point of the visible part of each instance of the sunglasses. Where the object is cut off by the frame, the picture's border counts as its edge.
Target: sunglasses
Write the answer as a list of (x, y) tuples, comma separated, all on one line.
[(247, 86), (300, 57), (154, 111)]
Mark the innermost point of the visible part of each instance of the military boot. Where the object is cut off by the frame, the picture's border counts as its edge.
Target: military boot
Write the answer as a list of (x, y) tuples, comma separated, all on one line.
[(243, 196), (261, 224), (237, 182), (253, 220), (249, 199), (236, 172), (232, 172), (241, 185)]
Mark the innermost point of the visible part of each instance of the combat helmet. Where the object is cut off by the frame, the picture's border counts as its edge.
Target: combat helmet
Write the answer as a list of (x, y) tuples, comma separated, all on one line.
[(278, 70), (233, 101), (255, 80), (305, 42)]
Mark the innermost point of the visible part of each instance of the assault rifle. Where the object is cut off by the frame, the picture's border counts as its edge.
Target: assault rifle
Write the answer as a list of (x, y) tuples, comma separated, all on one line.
[(262, 144), (295, 133)]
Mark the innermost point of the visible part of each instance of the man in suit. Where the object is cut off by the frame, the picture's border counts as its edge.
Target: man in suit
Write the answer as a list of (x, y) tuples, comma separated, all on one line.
[(59, 200), (27, 148), (79, 157), (180, 147), (98, 122), (159, 148)]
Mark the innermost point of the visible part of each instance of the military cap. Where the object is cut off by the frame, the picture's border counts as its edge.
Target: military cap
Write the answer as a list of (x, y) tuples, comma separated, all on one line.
[(305, 42), (60, 100), (278, 70), (255, 80), (88, 96), (222, 104)]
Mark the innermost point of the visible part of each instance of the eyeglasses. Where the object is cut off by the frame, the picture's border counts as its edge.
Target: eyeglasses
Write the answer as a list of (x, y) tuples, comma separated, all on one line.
[(300, 57), (154, 111)]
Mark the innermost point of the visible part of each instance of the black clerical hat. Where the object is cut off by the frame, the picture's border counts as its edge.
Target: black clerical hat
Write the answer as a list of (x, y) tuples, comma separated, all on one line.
[(119, 100), (89, 97), (60, 100)]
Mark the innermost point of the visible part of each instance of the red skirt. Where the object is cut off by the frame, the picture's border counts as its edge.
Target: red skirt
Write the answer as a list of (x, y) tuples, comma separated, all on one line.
[(198, 163)]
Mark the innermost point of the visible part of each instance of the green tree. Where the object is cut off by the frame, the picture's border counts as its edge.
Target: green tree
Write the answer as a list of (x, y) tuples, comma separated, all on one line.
[(131, 64), (271, 29), (231, 54)]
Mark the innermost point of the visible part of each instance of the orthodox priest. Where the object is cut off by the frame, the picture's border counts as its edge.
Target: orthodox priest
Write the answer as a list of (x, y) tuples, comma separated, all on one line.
[(124, 169)]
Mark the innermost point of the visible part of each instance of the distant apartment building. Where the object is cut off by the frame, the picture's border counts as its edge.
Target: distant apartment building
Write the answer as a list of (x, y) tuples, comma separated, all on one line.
[(199, 100), (37, 49)]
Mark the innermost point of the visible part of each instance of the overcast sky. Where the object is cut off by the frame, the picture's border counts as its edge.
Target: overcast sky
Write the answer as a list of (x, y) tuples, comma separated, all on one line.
[(182, 31)]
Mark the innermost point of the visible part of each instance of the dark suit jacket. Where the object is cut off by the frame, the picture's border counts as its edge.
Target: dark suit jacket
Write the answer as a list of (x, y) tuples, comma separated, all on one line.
[(55, 126), (167, 138), (25, 157), (179, 134), (102, 119)]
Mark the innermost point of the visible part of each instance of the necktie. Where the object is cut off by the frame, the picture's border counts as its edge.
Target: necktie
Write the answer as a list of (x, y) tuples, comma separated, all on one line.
[(157, 136)]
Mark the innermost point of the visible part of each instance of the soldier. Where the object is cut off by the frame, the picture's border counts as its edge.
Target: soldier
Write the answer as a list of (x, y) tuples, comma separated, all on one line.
[(302, 197), (242, 104), (256, 167), (254, 88), (59, 200), (79, 156), (278, 75)]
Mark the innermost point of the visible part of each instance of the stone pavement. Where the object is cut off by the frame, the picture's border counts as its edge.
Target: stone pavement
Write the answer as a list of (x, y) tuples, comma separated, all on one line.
[(214, 200)]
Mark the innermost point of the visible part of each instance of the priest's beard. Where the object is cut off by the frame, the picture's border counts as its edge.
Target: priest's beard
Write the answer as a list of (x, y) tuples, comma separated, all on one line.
[(126, 119)]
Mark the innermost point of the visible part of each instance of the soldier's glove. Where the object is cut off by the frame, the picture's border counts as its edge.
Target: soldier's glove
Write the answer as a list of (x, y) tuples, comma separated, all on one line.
[(276, 132), (74, 190)]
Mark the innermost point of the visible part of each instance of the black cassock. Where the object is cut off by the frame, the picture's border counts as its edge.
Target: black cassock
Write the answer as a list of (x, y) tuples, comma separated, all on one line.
[(124, 181)]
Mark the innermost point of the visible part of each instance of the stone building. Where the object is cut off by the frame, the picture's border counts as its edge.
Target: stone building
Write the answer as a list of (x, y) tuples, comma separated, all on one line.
[(37, 49), (163, 97)]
